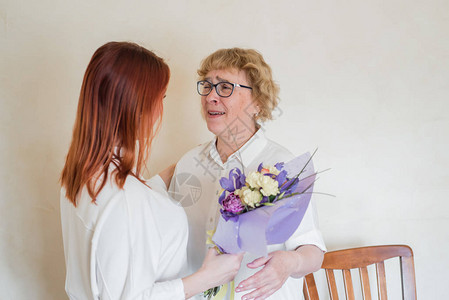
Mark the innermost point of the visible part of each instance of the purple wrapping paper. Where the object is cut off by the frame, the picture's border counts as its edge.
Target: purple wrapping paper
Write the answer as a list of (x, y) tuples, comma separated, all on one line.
[(268, 225)]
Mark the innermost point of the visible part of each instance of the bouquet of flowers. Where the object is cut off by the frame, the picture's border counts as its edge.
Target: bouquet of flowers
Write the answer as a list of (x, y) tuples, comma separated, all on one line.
[(263, 208)]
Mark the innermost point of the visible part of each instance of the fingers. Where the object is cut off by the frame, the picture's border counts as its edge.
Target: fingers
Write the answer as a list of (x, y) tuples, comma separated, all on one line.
[(254, 281), (260, 294), (262, 284), (266, 281), (259, 262), (211, 252), (221, 268)]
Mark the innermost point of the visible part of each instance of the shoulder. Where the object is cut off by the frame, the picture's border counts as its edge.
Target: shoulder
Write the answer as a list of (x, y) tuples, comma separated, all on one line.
[(139, 196), (277, 151), (135, 186)]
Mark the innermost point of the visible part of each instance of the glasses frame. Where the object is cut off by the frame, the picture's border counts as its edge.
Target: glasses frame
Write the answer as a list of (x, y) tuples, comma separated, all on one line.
[(216, 89)]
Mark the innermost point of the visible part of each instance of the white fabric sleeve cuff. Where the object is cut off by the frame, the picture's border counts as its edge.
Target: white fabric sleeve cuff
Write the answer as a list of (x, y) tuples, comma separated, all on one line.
[(167, 290), (312, 237)]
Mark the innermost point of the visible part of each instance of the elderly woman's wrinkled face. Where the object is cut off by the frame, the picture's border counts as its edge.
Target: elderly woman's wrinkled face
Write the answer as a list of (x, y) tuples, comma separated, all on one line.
[(236, 112)]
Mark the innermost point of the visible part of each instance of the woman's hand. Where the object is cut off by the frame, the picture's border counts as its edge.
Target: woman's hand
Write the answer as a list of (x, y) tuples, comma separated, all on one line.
[(277, 267), (217, 269), (220, 268)]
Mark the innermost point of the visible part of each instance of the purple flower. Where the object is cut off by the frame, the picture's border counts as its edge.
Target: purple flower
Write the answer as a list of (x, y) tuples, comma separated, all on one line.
[(228, 183), (229, 216), (222, 197), (235, 181), (232, 204), (282, 177), (289, 186), (279, 166), (239, 178)]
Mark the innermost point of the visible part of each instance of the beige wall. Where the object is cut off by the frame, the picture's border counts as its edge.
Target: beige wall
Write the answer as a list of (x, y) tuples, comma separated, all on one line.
[(365, 81)]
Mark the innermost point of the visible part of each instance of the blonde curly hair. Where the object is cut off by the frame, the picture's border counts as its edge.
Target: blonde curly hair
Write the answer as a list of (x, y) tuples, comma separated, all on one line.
[(265, 91)]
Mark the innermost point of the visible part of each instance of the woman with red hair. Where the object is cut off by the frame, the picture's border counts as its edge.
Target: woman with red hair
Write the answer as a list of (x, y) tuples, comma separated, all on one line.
[(123, 240)]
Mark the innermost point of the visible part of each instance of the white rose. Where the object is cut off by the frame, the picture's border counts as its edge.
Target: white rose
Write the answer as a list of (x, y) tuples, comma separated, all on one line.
[(270, 187), (239, 192), (249, 197), (254, 179)]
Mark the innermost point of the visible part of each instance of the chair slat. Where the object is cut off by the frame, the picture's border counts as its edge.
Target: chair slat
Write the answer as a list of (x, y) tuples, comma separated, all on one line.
[(332, 284), (305, 291), (364, 281), (310, 289), (381, 281), (408, 278), (360, 258), (349, 289)]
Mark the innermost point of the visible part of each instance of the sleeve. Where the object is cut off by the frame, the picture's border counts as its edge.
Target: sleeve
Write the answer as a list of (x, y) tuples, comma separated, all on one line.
[(126, 255), (307, 232)]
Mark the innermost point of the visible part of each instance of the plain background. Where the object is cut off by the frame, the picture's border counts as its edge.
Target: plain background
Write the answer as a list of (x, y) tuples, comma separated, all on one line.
[(367, 82)]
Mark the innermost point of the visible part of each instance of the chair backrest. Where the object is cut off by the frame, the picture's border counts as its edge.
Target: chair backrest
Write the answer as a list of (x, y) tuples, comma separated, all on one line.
[(360, 258)]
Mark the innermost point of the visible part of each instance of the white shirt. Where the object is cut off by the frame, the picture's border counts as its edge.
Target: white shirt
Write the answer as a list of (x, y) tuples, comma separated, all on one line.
[(195, 185), (131, 244)]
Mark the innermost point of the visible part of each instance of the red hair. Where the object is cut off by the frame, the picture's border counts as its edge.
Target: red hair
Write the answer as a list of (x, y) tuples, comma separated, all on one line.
[(120, 103)]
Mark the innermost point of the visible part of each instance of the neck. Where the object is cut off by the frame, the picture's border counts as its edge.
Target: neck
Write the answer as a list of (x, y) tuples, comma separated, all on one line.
[(232, 140)]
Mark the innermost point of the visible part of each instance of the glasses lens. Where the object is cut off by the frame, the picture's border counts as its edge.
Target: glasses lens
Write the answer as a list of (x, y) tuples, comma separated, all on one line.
[(225, 89), (204, 87)]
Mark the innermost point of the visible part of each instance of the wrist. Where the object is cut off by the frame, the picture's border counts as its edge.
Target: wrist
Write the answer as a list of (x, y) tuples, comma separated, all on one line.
[(195, 283), (296, 263)]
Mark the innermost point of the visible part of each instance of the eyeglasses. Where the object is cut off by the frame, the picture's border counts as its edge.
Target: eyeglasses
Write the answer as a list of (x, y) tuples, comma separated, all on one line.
[(223, 89)]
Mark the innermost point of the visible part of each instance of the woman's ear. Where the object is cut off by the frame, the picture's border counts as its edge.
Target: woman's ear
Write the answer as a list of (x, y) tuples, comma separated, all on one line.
[(257, 110)]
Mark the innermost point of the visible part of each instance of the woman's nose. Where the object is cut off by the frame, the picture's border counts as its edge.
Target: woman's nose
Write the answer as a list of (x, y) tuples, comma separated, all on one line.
[(213, 96)]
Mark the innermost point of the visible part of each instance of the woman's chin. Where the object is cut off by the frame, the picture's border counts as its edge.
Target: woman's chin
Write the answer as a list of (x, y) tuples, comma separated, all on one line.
[(215, 128)]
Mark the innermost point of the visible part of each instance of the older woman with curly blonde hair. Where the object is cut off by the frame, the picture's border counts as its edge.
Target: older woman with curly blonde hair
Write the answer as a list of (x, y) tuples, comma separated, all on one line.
[(238, 93)]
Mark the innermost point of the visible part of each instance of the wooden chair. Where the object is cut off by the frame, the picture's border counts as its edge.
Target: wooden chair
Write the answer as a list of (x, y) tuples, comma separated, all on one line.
[(360, 258)]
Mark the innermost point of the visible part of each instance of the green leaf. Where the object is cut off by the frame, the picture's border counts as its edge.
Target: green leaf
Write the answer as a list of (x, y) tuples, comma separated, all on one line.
[(211, 292)]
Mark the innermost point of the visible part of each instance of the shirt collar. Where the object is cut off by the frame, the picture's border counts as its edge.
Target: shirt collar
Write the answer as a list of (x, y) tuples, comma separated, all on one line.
[(246, 153)]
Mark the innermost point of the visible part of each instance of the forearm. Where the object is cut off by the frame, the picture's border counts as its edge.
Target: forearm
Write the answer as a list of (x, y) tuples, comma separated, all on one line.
[(192, 285), (196, 283), (308, 260)]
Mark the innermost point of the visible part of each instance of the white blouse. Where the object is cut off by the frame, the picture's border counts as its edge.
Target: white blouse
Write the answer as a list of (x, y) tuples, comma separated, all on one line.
[(195, 185), (131, 244)]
